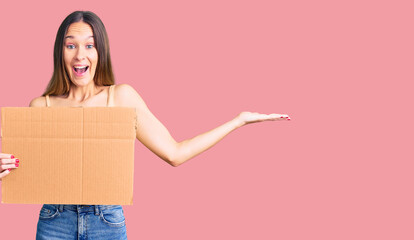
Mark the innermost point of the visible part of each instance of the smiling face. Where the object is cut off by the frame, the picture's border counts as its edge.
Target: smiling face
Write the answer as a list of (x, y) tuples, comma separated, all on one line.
[(80, 54)]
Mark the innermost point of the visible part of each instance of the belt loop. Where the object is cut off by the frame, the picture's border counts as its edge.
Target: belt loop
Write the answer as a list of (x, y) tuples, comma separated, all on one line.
[(60, 208), (96, 210)]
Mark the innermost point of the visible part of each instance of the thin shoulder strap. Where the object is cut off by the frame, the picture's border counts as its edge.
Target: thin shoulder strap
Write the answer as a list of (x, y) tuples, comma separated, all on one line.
[(47, 101), (110, 101)]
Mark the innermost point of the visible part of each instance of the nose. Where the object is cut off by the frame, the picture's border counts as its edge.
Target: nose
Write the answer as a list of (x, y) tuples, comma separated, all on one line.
[(80, 54)]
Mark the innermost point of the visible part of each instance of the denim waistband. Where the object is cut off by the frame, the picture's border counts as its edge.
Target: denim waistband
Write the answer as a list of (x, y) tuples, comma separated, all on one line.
[(84, 208)]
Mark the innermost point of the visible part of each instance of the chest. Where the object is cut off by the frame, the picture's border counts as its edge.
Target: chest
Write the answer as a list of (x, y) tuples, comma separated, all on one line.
[(99, 100)]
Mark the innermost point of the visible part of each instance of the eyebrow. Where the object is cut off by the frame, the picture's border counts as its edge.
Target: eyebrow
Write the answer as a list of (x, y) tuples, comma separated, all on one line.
[(74, 37)]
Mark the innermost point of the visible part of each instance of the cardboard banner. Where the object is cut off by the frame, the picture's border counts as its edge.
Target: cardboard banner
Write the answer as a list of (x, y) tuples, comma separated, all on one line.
[(69, 155)]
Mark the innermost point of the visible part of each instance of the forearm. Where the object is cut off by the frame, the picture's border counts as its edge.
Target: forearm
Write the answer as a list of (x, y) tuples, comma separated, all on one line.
[(192, 147)]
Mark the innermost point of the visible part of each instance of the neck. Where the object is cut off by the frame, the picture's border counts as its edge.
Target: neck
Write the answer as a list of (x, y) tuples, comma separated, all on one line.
[(82, 93)]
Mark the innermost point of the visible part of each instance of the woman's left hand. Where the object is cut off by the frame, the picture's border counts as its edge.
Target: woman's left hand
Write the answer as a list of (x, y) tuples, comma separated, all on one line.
[(249, 117)]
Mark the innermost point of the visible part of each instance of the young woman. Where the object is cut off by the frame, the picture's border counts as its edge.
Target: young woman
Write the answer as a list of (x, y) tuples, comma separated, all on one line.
[(83, 77)]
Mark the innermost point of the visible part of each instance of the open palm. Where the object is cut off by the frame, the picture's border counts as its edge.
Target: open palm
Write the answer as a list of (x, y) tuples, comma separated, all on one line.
[(252, 117)]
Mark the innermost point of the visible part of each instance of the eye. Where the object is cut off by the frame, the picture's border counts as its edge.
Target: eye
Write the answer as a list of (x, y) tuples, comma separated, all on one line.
[(70, 46), (89, 46)]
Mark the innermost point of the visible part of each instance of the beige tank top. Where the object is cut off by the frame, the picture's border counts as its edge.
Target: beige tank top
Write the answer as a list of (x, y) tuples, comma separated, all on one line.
[(109, 102)]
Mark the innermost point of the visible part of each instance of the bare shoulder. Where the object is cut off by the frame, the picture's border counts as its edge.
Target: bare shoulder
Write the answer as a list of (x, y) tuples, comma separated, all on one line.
[(125, 95), (38, 102)]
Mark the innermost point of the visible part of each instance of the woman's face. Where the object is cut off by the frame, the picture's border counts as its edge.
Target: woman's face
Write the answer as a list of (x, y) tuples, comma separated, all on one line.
[(79, 53)]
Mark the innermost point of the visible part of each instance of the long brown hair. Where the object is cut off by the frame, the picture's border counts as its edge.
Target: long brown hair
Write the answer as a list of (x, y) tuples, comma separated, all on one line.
[(60, 82)]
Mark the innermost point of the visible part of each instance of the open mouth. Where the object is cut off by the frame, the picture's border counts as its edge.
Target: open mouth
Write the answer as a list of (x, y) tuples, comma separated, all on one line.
[(80, 70)]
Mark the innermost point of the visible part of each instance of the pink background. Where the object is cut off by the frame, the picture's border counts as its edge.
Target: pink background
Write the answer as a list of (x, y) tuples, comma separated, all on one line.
[(342, 70)]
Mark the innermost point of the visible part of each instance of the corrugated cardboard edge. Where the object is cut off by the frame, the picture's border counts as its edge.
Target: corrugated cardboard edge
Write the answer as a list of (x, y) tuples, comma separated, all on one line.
[(2, 122), (1, 136), (1, 129)]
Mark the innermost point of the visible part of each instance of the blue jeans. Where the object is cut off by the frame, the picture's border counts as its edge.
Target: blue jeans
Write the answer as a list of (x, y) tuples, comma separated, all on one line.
[(81, 222)]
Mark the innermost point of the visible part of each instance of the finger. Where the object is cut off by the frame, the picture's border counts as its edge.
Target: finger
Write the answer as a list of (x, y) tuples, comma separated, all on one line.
[(276, 116), (284, 116), (265, 117), (8, 166), (8, 160), (4, 173), (6, 155)]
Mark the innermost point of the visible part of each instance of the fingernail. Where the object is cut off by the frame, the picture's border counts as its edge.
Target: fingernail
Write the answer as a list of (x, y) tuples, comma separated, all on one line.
[(17, 165), (17, 160), (12, 156), (281, 117), (9, 169)]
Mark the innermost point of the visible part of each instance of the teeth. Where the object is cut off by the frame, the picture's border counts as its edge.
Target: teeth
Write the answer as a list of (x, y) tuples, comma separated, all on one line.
[(80, 67)]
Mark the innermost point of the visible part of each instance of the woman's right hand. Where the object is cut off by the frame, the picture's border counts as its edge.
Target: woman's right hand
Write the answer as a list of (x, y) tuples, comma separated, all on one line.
[(7, 163)]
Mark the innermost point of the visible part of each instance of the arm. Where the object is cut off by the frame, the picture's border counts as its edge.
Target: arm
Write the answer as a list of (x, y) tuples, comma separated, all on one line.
[(155, 136), (190, 148)]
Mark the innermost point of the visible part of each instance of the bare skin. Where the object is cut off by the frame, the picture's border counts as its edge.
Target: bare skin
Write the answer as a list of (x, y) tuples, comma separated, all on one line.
[(150, 131)]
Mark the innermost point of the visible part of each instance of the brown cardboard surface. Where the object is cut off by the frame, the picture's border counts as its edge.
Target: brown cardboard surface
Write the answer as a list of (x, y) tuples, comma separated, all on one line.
[(69, 155)]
